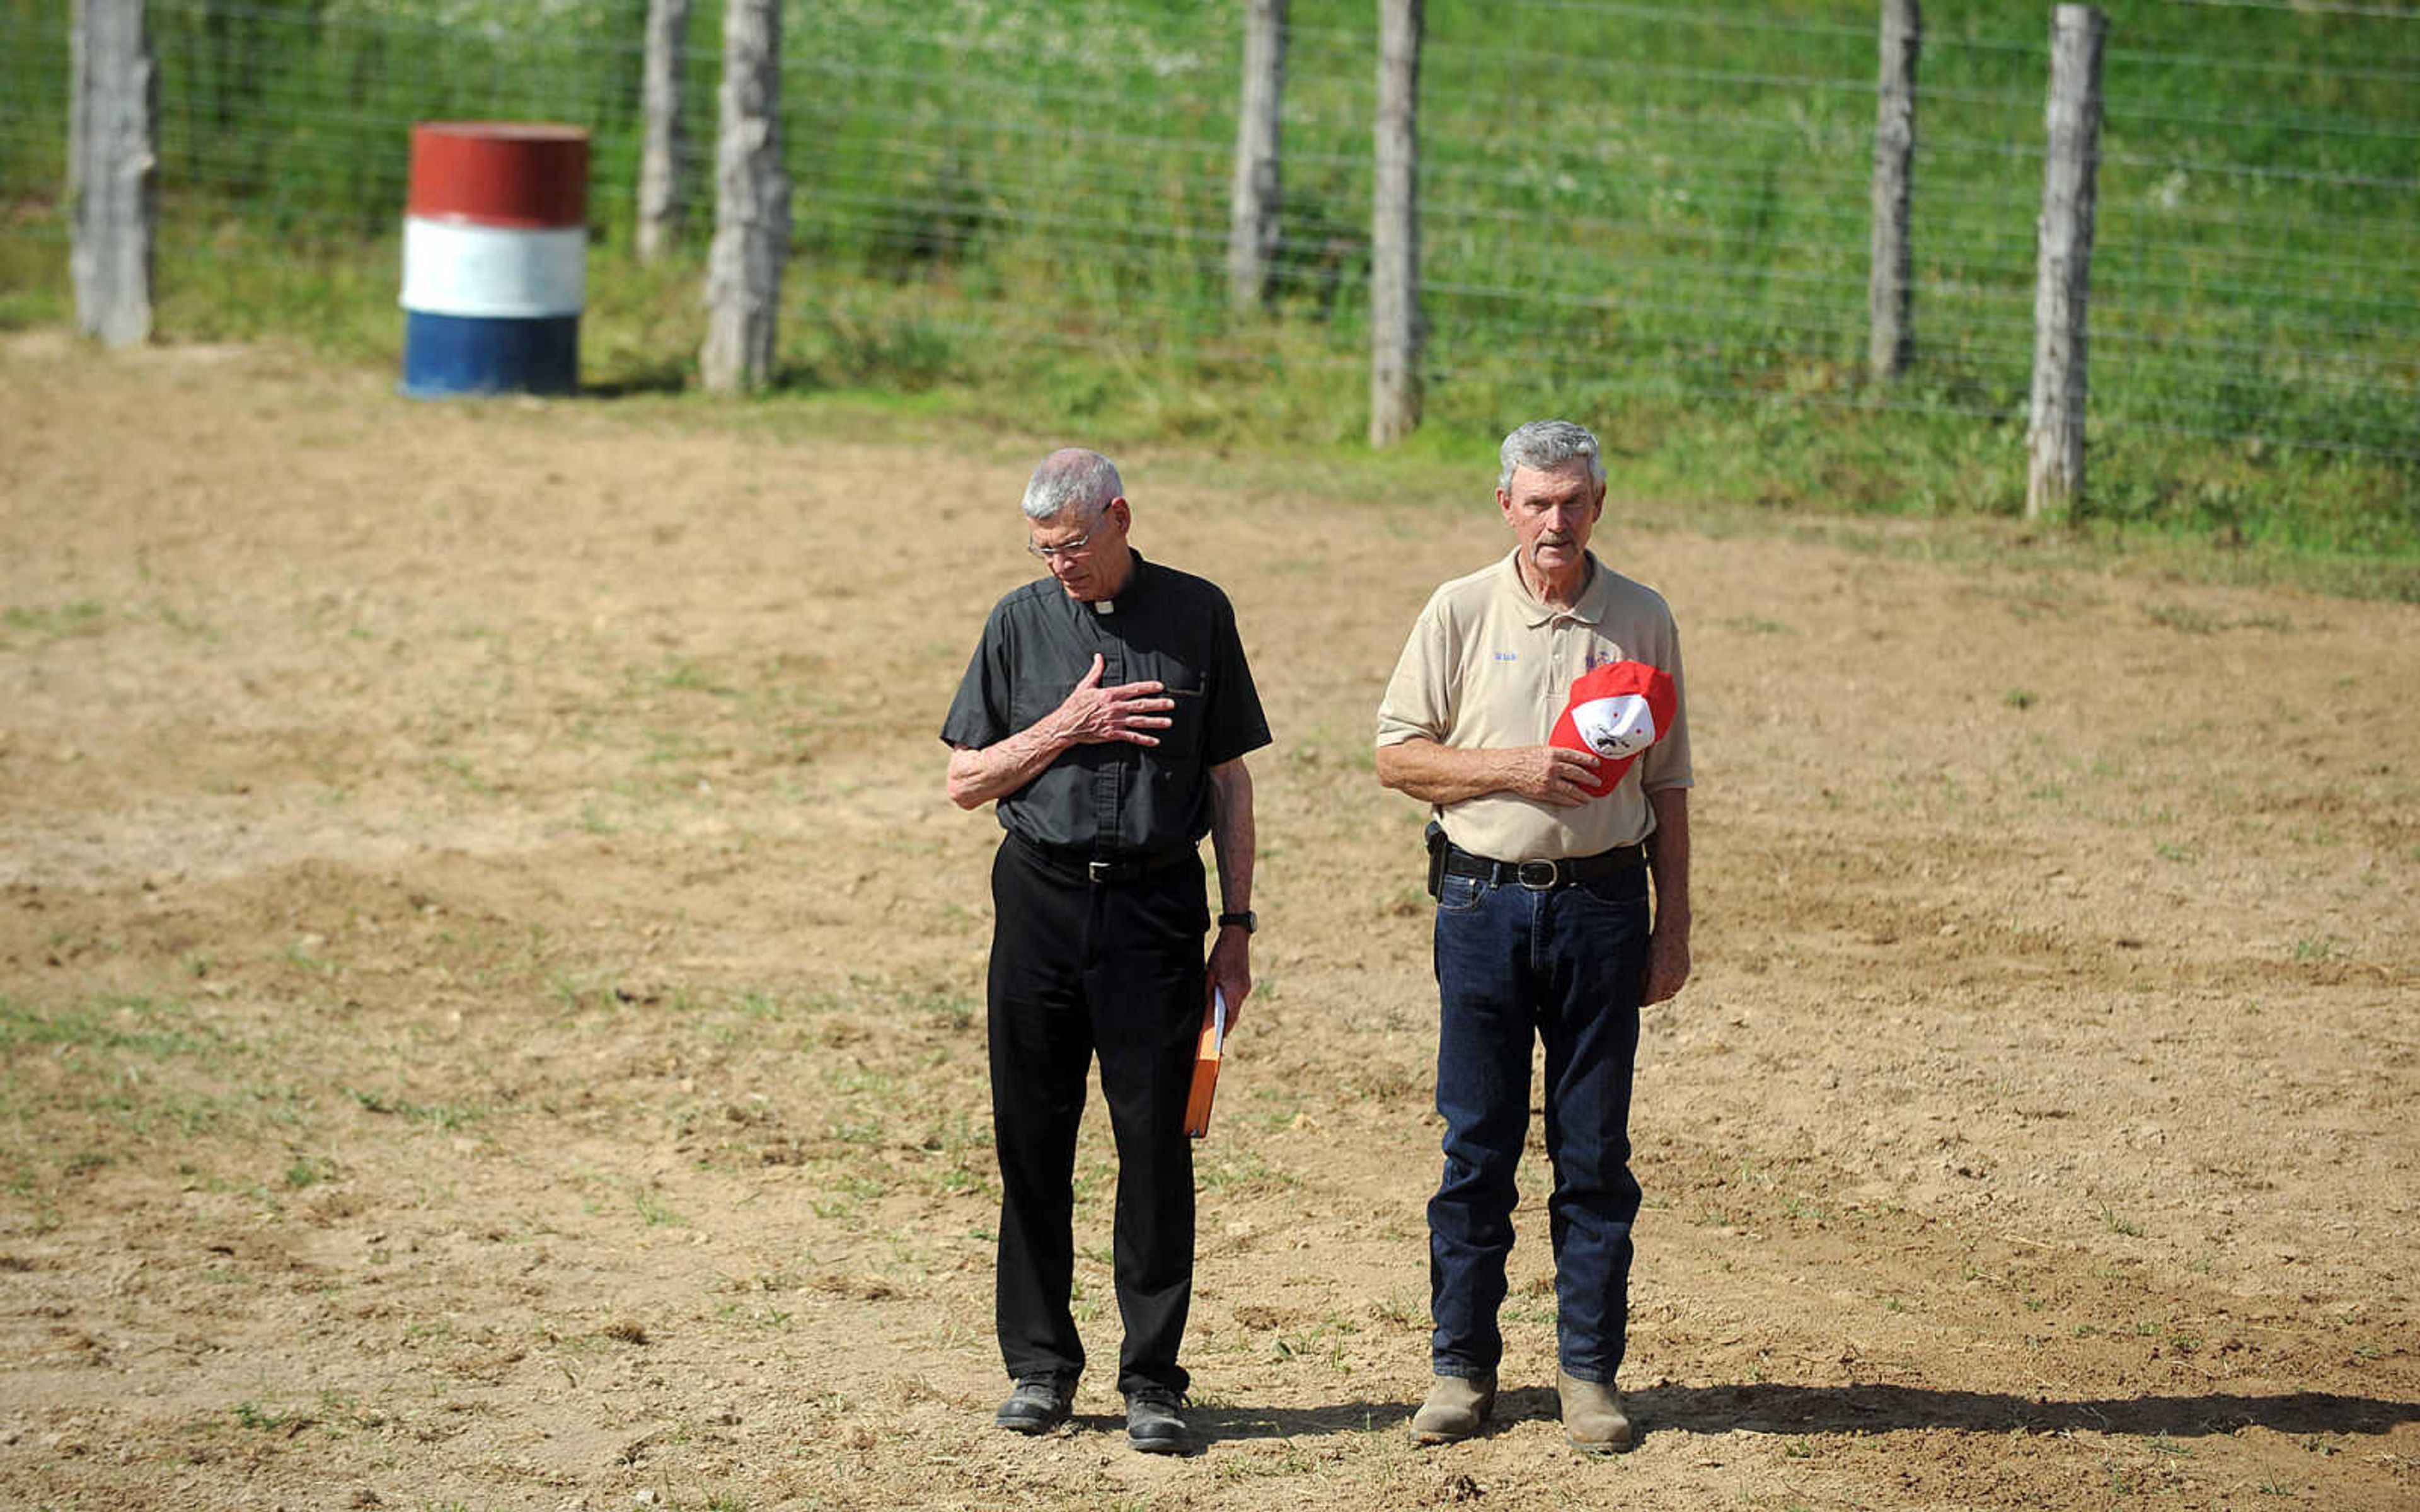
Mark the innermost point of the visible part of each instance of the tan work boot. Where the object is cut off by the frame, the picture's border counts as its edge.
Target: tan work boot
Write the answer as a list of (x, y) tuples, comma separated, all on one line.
[(1454, 1410), (1592, 1416)]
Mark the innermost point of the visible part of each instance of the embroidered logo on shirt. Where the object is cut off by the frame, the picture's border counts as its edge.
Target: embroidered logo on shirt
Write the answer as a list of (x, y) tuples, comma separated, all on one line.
[(1507, 656)]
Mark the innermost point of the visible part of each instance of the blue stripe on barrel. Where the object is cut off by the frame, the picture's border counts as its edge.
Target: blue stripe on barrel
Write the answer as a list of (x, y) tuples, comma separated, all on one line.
[(455, 354), (494, 252)]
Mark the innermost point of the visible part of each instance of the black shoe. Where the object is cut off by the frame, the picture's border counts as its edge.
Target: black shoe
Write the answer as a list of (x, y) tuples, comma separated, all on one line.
[(1153, 1427), (1037, 1406)]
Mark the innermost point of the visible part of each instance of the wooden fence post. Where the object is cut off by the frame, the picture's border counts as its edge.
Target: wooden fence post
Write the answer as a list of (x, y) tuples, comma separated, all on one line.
[(2054, 435), (752, 203), (1395, 230), (661, 143), (1890, 296), (113, 169), (1253, 233)]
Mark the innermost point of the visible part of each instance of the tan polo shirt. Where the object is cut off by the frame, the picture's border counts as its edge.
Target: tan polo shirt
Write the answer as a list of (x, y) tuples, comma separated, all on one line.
[(1489, 666)]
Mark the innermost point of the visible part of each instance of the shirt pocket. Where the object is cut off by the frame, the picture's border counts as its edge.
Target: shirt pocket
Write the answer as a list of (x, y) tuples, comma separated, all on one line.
[(1188, 713)]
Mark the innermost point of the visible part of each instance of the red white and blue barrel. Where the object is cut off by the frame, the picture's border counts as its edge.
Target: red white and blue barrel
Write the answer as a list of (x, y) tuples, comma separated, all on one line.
[(495, 238)]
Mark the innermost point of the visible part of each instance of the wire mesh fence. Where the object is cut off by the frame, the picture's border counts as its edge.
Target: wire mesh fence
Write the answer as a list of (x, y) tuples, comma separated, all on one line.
[(1619, 202)]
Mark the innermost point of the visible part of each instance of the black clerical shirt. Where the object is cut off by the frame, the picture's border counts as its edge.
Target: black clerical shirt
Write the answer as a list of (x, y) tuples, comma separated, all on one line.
[(1114, 799)]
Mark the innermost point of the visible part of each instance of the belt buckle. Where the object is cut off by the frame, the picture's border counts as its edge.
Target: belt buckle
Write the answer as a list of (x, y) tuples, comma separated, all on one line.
[(1099, 871), (1550, 871)]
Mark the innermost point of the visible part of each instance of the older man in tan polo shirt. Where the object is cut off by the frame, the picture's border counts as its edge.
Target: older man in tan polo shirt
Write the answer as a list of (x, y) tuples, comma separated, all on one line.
[(1543, 924)]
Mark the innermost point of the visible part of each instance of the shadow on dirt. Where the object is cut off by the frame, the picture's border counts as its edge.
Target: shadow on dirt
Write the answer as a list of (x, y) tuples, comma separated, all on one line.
[(1214, 1423), (635, 381), (1778, 1409)]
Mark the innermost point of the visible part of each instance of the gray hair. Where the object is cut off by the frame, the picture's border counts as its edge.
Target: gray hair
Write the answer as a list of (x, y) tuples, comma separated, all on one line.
[(1547, 445), (1072, 476)]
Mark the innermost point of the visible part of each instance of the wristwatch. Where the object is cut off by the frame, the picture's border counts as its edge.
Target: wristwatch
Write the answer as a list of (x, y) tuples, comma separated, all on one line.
[(1247, 920)]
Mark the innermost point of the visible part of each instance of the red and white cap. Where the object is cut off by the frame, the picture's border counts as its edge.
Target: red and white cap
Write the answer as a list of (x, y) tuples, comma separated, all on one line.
[(1617, 710)]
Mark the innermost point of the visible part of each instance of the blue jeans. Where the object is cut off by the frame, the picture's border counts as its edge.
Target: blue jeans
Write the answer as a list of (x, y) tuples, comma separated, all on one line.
[(1566, 967)]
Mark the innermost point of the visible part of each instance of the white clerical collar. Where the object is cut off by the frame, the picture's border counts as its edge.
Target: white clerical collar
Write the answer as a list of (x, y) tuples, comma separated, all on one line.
[(1105, 606)]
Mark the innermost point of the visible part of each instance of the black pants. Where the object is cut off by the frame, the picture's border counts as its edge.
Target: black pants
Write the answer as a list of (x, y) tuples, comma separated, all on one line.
[(1079, 969)]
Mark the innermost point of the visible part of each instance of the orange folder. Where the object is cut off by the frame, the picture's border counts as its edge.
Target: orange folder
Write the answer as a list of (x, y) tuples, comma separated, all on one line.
[(1206, 1065)]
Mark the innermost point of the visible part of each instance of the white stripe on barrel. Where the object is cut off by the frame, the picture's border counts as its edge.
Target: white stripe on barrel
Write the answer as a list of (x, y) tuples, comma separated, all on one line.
[(493, 273)]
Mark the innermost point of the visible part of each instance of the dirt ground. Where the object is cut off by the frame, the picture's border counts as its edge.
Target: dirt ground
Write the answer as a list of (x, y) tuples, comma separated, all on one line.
[(490, 994)]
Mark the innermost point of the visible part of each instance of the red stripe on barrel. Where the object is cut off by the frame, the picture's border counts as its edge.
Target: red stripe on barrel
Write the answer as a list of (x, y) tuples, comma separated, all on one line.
[(508, 174)]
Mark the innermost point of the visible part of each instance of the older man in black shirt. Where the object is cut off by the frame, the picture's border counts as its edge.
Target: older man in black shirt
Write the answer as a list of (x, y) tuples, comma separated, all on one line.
[(1108, 709)]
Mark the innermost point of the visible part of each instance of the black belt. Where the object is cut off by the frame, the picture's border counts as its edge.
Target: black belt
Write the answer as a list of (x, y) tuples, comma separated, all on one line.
[(1082, 866), (1543, 876)]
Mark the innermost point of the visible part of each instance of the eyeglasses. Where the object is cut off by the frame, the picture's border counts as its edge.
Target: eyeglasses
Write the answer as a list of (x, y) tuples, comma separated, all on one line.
[(1076, 547)]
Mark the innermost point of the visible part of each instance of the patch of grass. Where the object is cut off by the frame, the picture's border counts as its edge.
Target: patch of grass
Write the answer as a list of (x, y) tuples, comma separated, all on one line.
[(439, 1115), (1755, 625), (141, 1066), (1802, 1208), (686, 675), (82, 618), (460, 767), (1274, 1108), (952, 1012), (259, 1419), (2115, 1223), (155, 1029), (761, 1316), (304, 953), (2182, 617), (653, 1210), (1249, 1171), (1325, 1340)]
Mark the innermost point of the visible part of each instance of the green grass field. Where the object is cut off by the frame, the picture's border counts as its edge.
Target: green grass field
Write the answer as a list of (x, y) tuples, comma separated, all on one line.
[(1649, 217)]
